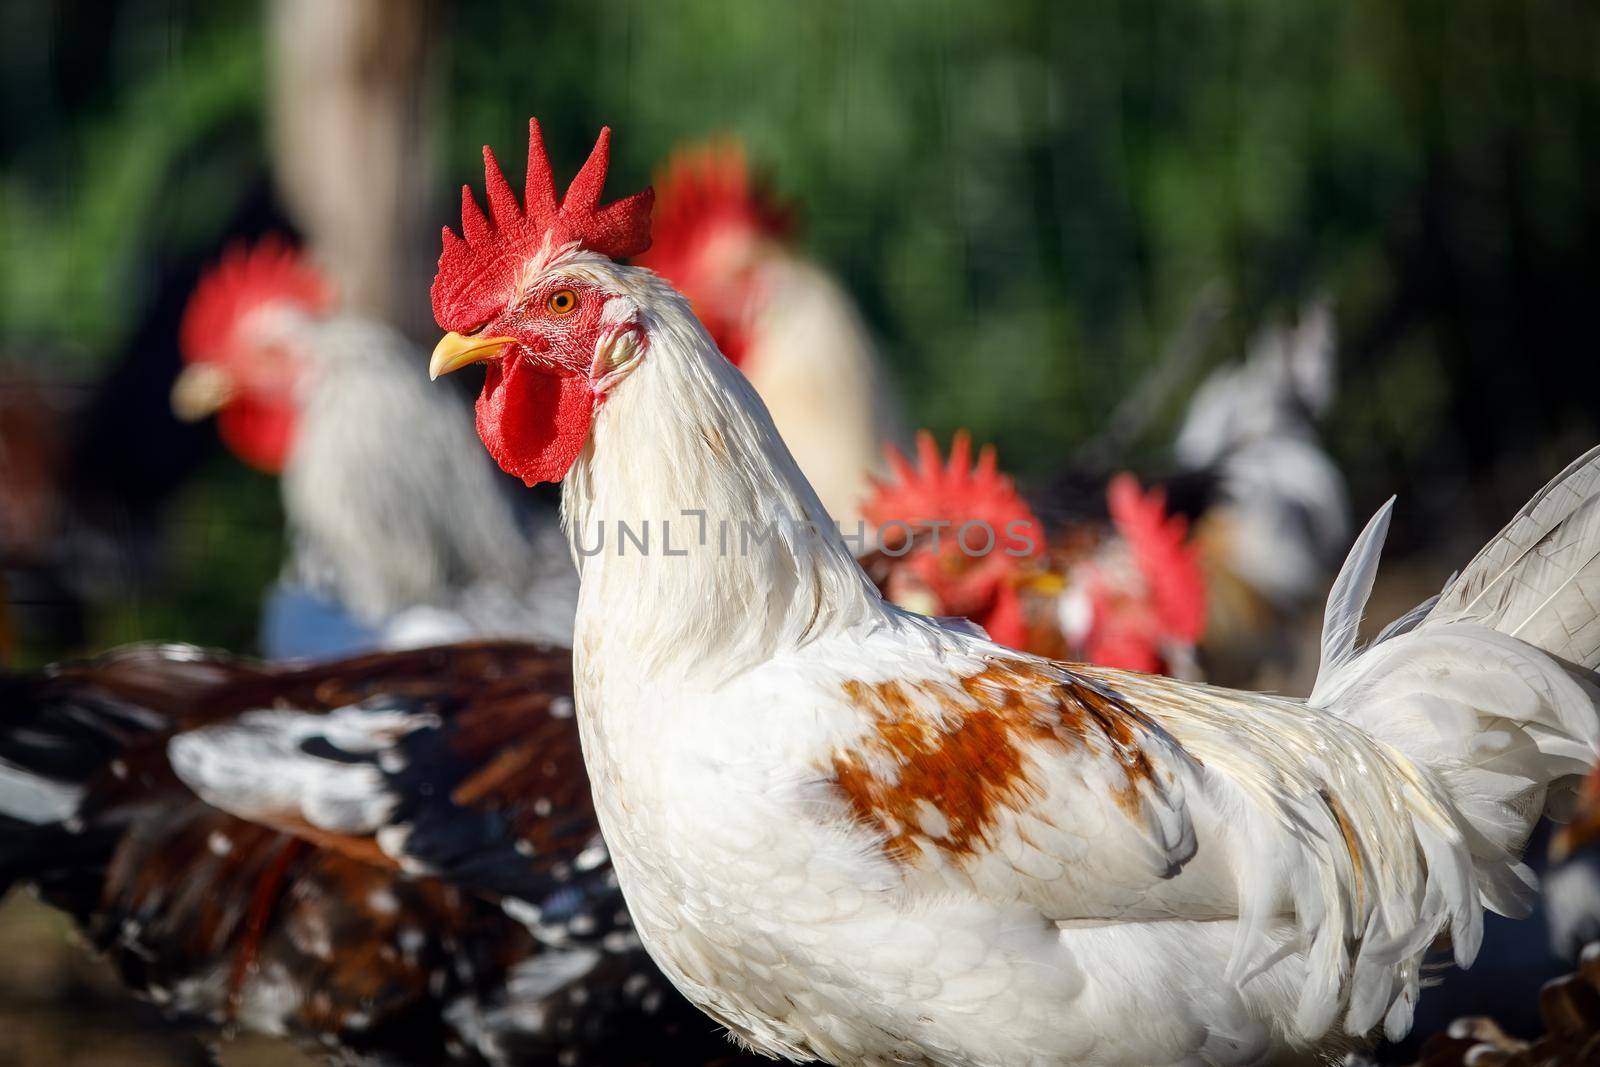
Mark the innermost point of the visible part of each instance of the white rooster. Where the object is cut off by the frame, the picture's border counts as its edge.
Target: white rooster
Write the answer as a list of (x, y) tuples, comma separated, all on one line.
[(854, 833)]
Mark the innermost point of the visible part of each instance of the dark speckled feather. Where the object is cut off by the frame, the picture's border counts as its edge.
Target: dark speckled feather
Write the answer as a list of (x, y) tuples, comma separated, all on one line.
[(326, 936)]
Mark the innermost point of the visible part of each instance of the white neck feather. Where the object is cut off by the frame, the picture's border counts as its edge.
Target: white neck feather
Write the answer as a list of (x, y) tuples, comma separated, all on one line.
[(685, 433)]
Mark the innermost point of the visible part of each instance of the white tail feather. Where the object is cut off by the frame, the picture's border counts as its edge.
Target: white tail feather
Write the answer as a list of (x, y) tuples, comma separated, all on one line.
[(1348, 597), (1489, 695)]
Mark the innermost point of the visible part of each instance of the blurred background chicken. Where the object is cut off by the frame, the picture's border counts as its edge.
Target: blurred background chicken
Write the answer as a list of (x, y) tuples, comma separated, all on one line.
[(721, 239), (1264, 504), (1124, 580), (1278, 519), (476, 921), (955, 538), (1572, 884), (401, 533)]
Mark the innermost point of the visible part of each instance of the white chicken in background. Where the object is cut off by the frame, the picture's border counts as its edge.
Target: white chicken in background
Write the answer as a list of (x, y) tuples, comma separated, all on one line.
[(400, 533), (850, 832), (723, 242), (1282, 518)]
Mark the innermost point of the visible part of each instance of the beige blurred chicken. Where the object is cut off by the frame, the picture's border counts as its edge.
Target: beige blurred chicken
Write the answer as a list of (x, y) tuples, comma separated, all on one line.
[(721, 240)]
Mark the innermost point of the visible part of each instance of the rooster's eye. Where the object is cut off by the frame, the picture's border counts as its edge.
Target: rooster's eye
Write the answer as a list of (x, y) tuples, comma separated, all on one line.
[(562, 302)]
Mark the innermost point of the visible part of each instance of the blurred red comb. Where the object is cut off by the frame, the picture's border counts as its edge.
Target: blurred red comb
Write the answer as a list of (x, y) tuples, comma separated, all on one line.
[(247, 277), (478, 270), (957, 491), (1169, 563), (702, 188)]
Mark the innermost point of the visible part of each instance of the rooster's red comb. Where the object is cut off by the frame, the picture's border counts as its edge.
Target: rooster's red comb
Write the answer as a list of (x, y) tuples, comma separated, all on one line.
[(703, 189), (248, 277), (958, 491), (1161, 550), (478, 270)]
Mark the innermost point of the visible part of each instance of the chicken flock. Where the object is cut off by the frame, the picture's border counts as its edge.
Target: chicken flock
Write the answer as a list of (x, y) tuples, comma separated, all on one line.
[(772, 733)]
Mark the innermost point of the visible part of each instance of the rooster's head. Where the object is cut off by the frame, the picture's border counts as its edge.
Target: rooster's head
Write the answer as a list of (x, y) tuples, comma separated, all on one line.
[(238, 340), (527, 290), (957, 535)]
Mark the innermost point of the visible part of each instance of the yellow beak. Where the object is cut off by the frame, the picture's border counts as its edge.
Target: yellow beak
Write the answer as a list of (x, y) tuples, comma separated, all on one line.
[(200, 391), (455, 351)]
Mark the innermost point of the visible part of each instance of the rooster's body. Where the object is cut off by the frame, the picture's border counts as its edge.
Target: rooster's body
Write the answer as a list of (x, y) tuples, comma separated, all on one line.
[(854, 833), (850, 833)]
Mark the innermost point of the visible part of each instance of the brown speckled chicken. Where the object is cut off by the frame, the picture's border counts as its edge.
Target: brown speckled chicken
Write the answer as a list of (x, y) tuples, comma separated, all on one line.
[(464, 911)]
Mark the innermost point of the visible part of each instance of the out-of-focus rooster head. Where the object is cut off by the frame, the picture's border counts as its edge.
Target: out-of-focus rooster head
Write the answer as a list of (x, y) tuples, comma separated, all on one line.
[(1138, 602), (956, 536), (525, 291), (238, 342), (714, 224)]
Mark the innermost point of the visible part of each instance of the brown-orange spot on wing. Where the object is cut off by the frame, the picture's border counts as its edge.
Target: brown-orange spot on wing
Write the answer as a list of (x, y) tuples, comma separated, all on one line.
[(1115, 720), (971, 763)]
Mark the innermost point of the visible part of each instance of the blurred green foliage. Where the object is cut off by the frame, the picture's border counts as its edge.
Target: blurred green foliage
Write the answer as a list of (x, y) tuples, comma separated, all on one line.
[(1028, 198), (225, 530), (125, 167)]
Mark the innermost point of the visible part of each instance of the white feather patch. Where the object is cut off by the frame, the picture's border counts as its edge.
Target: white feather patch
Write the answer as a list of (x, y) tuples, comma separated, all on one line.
[(256, 767), (26, 796)]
